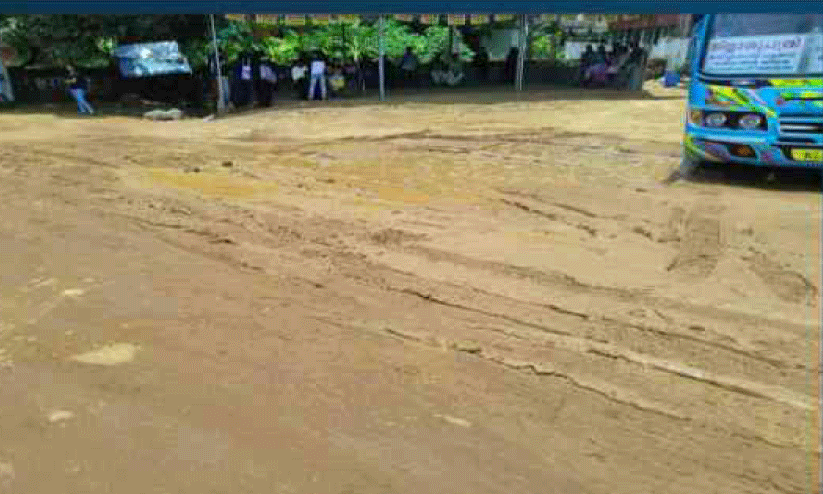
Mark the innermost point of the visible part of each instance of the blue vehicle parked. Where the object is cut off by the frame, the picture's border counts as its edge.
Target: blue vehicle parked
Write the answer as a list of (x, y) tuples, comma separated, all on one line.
[(756, 93)]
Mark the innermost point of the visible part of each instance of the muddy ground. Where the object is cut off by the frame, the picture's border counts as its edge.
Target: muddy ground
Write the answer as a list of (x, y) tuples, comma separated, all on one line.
[(462, 293)]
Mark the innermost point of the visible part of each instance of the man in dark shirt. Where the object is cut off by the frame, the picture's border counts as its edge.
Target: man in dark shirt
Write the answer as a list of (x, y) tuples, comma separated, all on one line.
[(77, 88)]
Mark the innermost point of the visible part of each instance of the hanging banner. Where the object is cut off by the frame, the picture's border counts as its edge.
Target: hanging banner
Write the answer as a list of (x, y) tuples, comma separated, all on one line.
[(404, 17), (268, 19), (503, 17), (456, 19), (320, 19), (347, 18), (236, 17), (429, 19), (478, 19), (294, 20), (547, 18)]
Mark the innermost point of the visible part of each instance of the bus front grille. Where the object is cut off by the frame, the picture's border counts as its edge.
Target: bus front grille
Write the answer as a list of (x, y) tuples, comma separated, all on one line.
[(789, 126)]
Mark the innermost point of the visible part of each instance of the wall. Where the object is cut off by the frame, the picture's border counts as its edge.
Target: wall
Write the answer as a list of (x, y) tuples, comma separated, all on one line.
[(671, 49), (499, 42)]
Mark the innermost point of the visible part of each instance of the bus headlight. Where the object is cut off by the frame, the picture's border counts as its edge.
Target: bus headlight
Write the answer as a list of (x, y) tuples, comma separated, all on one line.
[(750, 121), (714, 119)]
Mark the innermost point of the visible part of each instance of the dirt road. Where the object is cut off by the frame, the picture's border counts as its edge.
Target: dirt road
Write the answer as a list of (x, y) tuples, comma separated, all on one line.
[(467, 295)]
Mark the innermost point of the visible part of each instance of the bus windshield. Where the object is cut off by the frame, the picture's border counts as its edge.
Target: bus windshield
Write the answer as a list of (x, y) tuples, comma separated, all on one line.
[(764, 45)]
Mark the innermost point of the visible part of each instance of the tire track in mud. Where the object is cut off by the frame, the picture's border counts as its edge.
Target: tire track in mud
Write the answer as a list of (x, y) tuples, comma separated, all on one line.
[(275, 238), (789, 286), (560, 337), (566, 340), (505, 356), (591, 231), (394, 237), (681, 326), (545, 137), (606, 390), (700, 245)]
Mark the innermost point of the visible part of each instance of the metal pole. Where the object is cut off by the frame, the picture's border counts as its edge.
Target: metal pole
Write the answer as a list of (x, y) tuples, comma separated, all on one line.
[(221, 97), (382, 54), (521, 52)]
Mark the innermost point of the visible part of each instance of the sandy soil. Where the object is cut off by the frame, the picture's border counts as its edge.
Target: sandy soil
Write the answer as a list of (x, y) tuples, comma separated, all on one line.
[(453, 294)]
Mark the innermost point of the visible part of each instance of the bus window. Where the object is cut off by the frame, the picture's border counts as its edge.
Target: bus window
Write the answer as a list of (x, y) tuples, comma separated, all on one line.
[(764, 45)]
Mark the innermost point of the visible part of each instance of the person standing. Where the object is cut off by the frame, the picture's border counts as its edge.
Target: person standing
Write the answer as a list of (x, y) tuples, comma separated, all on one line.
[(337, 82), (243, 76), (481, 62), (586, 61), (510, 69), (298, 75), (77, 89), (268, 80), (317, 76), (637, 59), (408, 67)]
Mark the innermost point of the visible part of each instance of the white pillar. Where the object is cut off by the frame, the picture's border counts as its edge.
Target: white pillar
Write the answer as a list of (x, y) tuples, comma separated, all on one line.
[(382, 55)]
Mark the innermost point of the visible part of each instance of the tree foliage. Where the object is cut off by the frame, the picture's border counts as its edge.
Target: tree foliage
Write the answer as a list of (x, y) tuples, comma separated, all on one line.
[(355, 42), (88, 40)]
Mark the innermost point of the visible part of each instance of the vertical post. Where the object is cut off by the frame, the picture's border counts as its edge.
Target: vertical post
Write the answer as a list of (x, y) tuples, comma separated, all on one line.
[(521, 52), (221, 99), (555, 41), (382, 54)]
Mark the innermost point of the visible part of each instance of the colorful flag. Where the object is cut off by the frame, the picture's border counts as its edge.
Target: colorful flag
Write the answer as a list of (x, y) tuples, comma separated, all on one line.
[(347, 18), (478, 19), (404, 17), (294, 20), (236, 17), (320, 19), (266, 18), (456, 20), (503, 17), (429, 19)]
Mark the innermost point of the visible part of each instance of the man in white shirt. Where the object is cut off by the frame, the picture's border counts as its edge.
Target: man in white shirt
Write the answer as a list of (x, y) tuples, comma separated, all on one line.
[(298, 75), (244, 76), (268, 80), (317, 76)]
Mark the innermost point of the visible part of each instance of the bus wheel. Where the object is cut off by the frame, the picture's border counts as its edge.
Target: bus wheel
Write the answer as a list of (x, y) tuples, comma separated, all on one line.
[(687, 171), (689, 168)]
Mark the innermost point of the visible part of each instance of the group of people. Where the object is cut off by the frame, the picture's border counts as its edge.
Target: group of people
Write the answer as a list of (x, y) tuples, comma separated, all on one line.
[(313, 76), (251, 79), (622, 66), (445, 70)]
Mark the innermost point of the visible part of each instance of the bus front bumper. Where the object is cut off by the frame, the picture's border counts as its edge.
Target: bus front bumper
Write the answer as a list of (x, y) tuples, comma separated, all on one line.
[(721, 147)]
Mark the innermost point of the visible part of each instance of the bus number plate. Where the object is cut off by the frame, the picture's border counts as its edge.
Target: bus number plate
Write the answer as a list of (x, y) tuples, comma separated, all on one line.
[(815, 155)]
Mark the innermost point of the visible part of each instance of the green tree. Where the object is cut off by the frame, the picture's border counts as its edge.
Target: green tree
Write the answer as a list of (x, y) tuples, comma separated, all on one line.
[(88, 40)]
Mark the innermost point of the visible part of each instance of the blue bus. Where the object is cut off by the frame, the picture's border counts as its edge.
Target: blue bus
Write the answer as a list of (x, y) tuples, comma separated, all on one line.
[(756, 92)]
